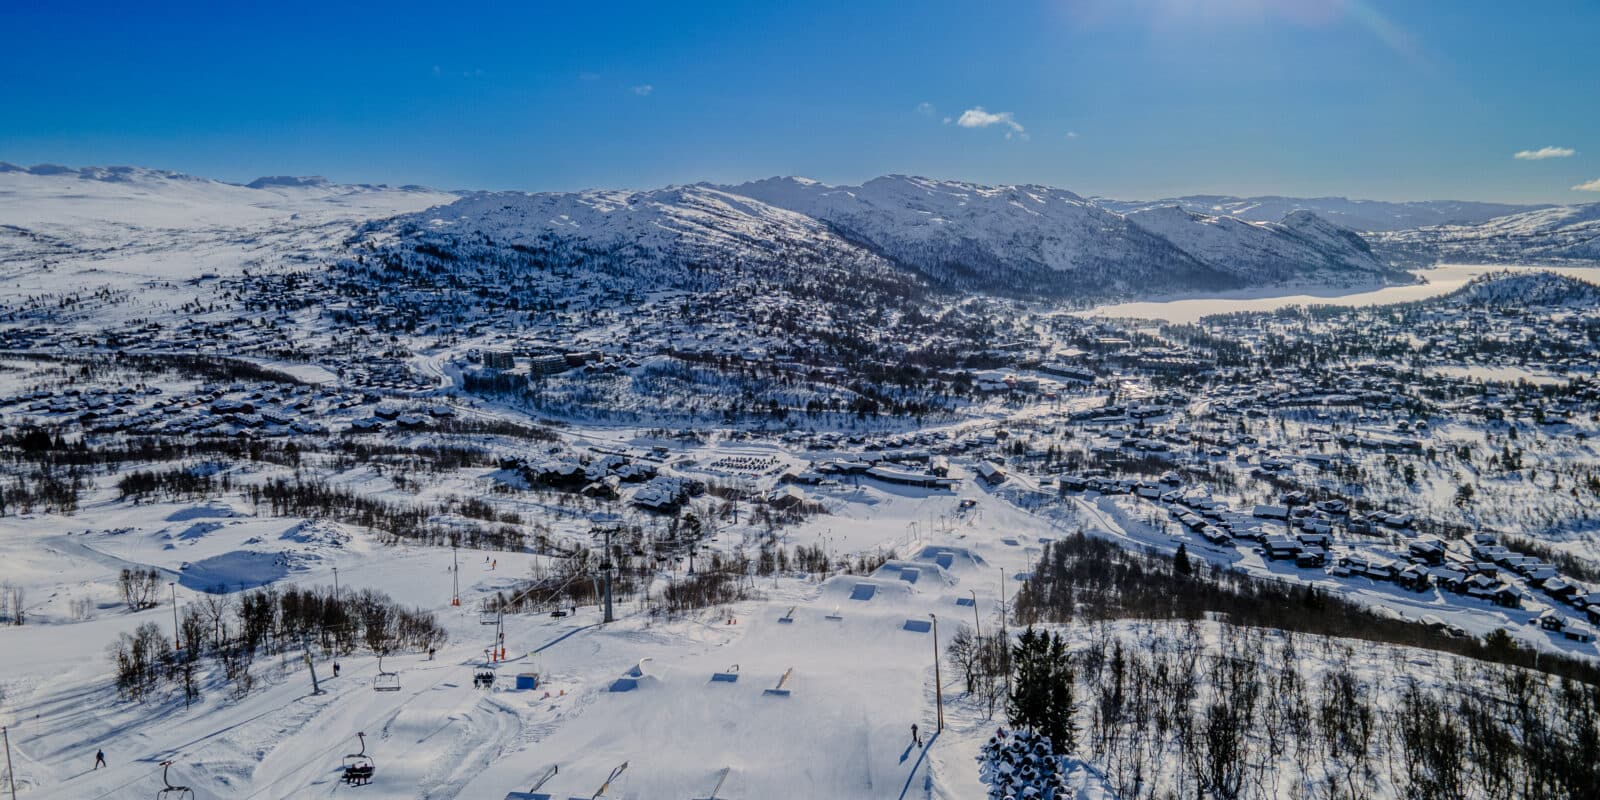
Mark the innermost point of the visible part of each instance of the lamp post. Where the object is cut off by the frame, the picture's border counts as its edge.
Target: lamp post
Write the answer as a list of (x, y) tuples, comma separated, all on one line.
[(938, 685), (455, 576), (606, 566), (10, 773), (177, 638), (1005, 635), (335, 584), (977, 630)]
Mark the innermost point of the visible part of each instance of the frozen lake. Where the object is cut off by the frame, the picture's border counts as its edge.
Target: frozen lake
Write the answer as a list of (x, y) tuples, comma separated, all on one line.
[(1442, 279)]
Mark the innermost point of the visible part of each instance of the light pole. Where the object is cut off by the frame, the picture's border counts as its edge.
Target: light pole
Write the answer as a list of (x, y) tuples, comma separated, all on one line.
[(10, 773), (976, 629), (1005, 635), (455, 576), (177, 638), (335, 584), (606, 565), (938, 686)]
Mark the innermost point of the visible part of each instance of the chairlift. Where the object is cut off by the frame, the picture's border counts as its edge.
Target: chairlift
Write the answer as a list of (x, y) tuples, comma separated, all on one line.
[(385, 681), (172, 792), (488, 617), (358, 767)]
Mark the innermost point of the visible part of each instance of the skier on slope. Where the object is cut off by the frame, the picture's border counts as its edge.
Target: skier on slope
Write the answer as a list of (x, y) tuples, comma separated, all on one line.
[(100, 759), (916, 738)]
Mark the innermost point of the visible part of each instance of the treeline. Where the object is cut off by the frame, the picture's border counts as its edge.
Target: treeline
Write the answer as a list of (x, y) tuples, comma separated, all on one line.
[(720, 579), (1192, 709), (402, 522), (1568, 564), (231, 632), (705, 589), (170, 484), (45, 490), (211, 368), (1081, 577), (50, 448), (567, 584)]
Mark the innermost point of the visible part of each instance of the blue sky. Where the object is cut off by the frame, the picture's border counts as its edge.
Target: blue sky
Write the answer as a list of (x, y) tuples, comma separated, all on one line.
[(1126, 98)]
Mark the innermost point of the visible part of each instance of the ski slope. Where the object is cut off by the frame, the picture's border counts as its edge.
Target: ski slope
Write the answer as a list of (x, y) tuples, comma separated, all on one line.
[(857, 685)]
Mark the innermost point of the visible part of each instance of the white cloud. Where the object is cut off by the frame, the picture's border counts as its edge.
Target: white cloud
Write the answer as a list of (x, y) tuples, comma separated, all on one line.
[(976, 117), (925, 109), (1544, 153), (643, 89), (1072, 134), (1590, 186)]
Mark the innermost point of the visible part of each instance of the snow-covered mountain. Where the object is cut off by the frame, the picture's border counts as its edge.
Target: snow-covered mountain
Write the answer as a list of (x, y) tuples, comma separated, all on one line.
[(1044, 239), (158, 223), (1546, 235), (1026, 240), (1359, 215), (696, 238), (679, 222), (1302, 244)]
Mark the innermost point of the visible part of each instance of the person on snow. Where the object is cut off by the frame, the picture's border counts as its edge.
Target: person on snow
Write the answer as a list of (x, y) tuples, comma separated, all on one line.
[(916, 738), (335, 669), (100, 759)]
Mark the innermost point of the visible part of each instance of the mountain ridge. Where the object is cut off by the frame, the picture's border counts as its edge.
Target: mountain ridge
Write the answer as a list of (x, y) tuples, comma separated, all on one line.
[(1359, 215)]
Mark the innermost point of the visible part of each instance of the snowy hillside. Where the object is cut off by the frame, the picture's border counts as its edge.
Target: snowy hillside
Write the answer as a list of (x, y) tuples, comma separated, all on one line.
[(1302, 246), (1019, 240), (137, 220), (1359, 215), (1526, 290), (680, 224), (1546, 235), (1015, 236), (1010, 238)]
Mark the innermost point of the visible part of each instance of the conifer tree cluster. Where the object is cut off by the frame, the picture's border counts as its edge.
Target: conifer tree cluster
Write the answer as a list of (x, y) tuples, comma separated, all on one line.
[(1021, 764)]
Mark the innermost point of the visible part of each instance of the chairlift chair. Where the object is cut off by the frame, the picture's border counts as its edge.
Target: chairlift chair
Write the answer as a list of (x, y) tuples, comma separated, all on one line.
[(385, 681), (172, 792), (359, 767), (487, 617), (483, 678)]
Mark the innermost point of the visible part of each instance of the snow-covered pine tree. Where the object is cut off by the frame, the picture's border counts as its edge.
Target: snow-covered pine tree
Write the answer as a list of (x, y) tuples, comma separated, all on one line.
[(1021, 765)]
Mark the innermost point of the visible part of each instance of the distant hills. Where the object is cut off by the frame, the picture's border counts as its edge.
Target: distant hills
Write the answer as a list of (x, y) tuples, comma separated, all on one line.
[(1027, 241), (1358, 215)]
